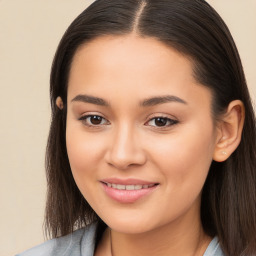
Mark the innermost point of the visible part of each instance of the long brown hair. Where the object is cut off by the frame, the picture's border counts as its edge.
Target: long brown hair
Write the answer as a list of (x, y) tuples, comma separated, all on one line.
[(228, 207)]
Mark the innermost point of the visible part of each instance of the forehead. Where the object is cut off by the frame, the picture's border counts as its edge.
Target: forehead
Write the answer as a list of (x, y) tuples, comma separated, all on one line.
[(129, 49), (131, 65), (130, 54)]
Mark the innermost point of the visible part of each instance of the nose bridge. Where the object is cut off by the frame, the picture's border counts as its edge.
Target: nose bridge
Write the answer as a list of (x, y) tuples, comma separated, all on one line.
[(125, 148)]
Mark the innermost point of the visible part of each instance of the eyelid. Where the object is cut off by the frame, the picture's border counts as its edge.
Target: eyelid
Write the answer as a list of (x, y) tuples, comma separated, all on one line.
[(91, 113), (88, 115), (163, 115), (172, 119)]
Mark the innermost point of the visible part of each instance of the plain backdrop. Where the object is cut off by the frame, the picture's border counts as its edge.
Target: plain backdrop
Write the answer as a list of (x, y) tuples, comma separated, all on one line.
[(29, 33)]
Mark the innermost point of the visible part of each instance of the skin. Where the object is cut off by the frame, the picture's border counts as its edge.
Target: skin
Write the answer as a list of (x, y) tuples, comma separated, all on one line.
[(128, 143)]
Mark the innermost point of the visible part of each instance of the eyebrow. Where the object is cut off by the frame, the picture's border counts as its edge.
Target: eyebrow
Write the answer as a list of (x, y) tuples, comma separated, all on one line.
[(91, 99), (145, 103), (161, 100)]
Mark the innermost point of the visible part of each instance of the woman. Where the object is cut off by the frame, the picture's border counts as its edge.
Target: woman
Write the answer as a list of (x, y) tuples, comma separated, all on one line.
[(152, 144)]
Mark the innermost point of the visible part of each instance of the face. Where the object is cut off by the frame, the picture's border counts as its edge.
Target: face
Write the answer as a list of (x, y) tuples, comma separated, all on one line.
[(140, 135)]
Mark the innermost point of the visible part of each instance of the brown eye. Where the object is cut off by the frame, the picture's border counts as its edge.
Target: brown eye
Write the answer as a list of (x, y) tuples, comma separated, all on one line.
[(162, 122), (96, 120), (93, 120)]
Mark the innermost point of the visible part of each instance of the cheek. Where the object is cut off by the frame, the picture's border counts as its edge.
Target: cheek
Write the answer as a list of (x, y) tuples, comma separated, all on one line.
[(184, 158), (84, 153)]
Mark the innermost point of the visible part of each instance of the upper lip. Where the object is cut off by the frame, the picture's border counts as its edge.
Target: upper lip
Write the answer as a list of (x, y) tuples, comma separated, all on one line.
[(127, 181)]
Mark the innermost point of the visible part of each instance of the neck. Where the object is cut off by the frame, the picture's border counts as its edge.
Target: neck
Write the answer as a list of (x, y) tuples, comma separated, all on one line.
[(172, 239)]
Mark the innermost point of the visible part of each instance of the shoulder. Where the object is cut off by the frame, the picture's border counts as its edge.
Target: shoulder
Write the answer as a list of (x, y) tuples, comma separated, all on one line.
[(80, 242), (214, 248)]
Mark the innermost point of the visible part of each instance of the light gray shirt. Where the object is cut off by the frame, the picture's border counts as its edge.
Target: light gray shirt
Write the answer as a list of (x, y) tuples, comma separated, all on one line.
[(82, 243)]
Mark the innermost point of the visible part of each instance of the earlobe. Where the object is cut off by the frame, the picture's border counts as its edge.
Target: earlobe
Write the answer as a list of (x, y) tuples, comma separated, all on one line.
[(59, 103), (229, 131)]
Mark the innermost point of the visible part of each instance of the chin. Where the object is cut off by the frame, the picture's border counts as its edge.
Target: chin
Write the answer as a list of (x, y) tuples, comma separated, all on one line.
[(129, 225), (130, 228)]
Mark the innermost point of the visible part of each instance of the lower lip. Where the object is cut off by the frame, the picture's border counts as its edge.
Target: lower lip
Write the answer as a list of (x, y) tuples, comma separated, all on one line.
[(127, 196)]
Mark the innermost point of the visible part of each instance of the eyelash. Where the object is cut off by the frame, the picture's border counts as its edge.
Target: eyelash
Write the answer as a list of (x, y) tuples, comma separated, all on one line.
[(84, 120), (164, 118)]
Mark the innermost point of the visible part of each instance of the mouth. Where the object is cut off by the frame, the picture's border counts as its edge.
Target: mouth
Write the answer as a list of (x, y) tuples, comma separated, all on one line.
[(128, 191), (128, 187)]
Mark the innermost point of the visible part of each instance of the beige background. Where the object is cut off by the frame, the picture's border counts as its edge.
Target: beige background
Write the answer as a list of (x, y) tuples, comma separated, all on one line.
[(29, 34)]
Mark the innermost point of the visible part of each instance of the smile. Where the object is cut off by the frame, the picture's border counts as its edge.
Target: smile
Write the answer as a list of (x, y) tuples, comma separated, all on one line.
[(128, 187), (128, 191)]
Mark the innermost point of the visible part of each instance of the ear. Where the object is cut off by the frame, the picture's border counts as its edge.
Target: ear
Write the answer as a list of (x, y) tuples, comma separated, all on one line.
[(59, 102), (229, 131)]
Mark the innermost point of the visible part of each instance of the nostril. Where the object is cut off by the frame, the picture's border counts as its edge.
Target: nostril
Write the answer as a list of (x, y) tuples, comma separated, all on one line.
[(124, 151)]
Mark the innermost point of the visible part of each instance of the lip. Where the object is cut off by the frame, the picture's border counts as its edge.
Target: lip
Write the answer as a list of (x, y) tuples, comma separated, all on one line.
[(128, 181), (127, 196)]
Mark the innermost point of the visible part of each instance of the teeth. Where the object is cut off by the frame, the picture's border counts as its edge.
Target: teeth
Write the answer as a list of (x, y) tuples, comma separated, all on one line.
[(129, 187), (138, 186), (120, 187)]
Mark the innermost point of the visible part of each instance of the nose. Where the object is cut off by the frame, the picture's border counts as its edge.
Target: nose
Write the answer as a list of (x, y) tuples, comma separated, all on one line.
[(125, 149)]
